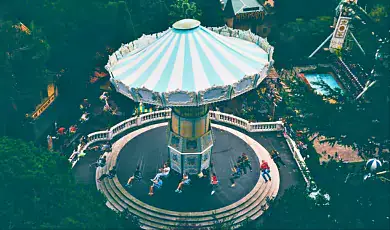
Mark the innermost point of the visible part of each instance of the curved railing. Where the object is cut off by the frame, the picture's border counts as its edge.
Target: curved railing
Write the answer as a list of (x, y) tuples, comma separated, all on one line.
[(215, 116)]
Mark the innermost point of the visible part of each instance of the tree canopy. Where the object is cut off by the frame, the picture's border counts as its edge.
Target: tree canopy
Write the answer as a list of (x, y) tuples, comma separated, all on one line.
[(182, 9), (38, 191)]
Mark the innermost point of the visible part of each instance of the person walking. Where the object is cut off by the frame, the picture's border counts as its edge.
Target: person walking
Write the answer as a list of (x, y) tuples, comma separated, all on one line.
[(276, 157), (265, 170)]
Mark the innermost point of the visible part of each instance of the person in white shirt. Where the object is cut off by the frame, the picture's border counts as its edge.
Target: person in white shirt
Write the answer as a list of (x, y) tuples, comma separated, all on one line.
[(84, 117), (103, 97), (163, 172)]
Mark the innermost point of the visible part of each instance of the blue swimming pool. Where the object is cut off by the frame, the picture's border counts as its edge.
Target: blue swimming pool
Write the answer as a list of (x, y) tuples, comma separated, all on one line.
[(327, 78)]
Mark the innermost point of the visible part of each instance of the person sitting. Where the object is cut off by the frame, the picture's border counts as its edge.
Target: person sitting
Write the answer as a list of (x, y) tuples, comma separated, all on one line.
[(156, 184), (184, 181), (214, 183), (236, 174), (84, 117), (163, 172), (136, 176), (111, 174), (100, 163)]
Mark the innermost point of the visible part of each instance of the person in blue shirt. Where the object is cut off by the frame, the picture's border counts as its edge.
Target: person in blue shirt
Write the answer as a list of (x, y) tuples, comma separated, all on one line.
[(184, 181), (156, 184)]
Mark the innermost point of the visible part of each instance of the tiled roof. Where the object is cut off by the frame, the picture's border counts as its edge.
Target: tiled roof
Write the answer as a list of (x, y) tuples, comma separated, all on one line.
[(243, 6)]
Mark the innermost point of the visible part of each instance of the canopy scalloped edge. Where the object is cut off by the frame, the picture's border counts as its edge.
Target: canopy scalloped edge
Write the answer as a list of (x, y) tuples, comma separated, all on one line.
[(193, 99)]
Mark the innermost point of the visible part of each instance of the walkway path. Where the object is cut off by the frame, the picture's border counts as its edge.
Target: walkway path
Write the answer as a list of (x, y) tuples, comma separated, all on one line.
[(118, 197)]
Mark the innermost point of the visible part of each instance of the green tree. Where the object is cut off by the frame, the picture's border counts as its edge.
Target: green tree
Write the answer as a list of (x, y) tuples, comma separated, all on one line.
[(182, 9), (23, 69), (212, 14), (296, 39), (38, 191), (359, 206)]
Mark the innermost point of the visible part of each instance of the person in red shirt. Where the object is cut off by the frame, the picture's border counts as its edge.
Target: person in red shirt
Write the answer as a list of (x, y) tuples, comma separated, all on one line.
[(265, 170), (214, 183), (73, 129), (61, 131)]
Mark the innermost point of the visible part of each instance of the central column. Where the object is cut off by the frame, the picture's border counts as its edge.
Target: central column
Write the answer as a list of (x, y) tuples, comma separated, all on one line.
[(190, 139)]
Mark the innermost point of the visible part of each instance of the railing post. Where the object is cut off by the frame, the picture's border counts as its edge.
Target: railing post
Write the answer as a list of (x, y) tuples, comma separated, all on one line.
[(248, 126), (138, 122), (217, 115), (110, 136)]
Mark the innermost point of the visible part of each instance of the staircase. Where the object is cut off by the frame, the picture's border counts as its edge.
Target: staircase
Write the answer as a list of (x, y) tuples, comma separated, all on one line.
[(248, 208)]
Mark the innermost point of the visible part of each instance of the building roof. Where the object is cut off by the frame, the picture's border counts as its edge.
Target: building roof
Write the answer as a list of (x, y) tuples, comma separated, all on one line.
[(243, 6)]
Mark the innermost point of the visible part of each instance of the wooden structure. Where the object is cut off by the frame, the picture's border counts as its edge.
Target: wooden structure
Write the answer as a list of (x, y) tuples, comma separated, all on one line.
[(247, 15)]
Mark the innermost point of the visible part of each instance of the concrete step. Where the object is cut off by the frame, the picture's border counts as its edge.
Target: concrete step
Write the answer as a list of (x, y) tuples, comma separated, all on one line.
[(154, 218), (199, 221), (257, 209), (198, 215)]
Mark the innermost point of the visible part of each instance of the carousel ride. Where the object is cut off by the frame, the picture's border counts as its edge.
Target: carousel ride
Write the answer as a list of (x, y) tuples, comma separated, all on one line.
[(186, 68)]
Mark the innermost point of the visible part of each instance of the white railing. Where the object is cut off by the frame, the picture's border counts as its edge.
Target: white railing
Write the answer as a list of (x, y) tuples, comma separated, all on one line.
[(214, 116), (299, 160), (244, 124)]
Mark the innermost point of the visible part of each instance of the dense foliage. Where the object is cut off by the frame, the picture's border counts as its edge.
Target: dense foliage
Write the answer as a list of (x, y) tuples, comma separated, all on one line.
[(80, 35), (352, 205), (38, 191)]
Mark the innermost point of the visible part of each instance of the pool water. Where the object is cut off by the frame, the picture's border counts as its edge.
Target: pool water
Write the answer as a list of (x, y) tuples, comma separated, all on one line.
[(327, 78)]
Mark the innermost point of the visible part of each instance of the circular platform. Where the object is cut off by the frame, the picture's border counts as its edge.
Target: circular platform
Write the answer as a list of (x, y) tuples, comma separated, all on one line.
[(195, 206), (150, 148)]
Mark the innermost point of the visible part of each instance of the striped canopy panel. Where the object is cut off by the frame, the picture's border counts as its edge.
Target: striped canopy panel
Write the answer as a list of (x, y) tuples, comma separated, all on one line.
[(189, 61)]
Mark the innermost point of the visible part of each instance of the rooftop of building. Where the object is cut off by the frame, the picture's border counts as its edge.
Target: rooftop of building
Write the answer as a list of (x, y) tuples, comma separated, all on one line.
[(243, 6)]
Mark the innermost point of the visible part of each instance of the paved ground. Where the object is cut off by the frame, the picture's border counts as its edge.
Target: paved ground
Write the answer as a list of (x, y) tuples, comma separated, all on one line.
[(289, 174), (152, 146)]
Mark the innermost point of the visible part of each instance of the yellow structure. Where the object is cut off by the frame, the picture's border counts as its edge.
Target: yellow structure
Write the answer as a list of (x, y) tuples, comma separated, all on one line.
[(190, 140), (52, 93)]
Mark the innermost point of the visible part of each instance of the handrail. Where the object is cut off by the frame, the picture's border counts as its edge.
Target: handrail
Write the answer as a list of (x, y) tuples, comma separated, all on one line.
[(214, 116), (299, 160)]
